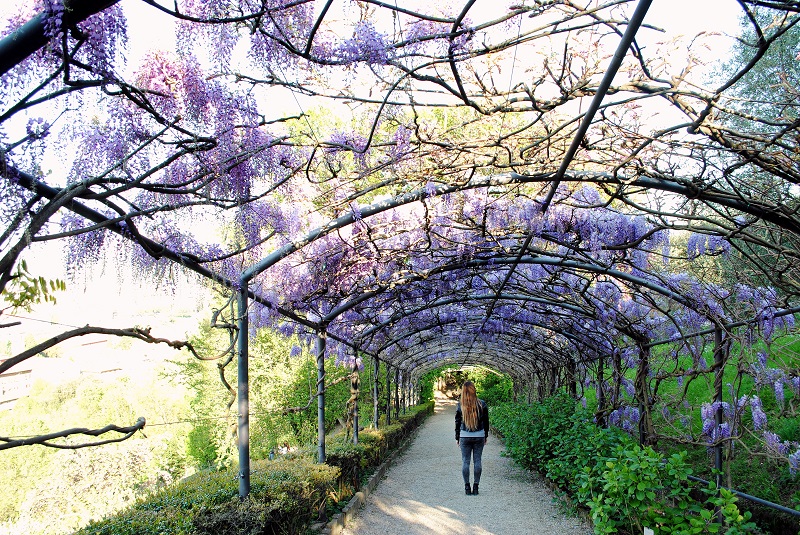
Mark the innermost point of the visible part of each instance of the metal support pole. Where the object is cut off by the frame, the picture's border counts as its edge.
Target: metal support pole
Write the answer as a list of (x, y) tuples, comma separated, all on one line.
[(321, 338), (376, 365), (396, 393), (405, 393), (388, 395), (355, 385), (243, 393)]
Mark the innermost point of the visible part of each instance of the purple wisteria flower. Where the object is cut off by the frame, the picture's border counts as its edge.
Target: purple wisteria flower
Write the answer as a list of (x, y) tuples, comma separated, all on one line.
[(37, 128), (54, 16), (759, 416), (779, 395), (626, 418), (367, 45)]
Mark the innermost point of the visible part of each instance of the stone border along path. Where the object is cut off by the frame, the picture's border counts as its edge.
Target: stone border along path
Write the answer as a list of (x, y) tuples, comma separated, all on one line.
[(423, 492)]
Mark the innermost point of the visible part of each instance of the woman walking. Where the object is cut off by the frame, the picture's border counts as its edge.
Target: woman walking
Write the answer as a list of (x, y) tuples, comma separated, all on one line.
[(472, 433)]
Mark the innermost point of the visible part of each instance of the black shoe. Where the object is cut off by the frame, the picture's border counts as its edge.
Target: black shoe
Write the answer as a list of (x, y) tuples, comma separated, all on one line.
[(474, 489), (467, 490)]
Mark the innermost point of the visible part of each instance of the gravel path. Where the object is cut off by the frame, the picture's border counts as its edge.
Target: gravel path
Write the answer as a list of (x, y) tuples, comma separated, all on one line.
[(423, 492)]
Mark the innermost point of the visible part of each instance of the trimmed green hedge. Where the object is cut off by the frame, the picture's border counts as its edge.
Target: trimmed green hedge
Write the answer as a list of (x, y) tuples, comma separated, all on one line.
[(624, 486), (357, 460), (287, 494)]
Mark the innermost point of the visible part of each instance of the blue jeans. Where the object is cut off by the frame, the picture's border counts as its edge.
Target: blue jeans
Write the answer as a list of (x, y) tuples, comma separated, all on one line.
[(471, 447)]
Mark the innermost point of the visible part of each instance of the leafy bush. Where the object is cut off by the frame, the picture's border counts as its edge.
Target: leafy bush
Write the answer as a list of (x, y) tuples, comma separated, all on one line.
[(494, 388), (625, 487), (286, 495), (202, 446)]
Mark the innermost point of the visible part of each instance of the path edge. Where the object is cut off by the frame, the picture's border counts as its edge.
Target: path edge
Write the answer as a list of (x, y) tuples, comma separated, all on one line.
[(340, 520)]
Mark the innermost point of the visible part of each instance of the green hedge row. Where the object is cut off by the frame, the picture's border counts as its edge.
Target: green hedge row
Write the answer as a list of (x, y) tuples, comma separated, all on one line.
[(287, 494), (356, 461), (624, 486)]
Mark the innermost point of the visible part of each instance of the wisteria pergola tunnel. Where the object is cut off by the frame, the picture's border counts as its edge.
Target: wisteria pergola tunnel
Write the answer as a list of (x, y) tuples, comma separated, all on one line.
[(563, 192)]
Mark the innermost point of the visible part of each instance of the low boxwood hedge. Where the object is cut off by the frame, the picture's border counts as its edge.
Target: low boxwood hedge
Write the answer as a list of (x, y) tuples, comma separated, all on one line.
[(287, 494)]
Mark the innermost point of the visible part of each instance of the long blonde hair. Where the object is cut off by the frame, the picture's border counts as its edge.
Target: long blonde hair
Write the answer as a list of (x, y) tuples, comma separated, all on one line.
[(469, 406)]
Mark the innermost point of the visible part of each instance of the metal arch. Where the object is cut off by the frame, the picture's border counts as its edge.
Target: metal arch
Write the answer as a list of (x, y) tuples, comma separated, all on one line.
[(722, 198), (398, 340), (367, 342), (466, 299), (418, 359), (537, 260), (517, 375), (573, 337), (423, 350), (426, 367), (712, 196), (491, 355), (553, 355)]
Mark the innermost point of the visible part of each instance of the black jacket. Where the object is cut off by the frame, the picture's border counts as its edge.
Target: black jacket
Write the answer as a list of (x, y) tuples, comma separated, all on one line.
[(483, 419)]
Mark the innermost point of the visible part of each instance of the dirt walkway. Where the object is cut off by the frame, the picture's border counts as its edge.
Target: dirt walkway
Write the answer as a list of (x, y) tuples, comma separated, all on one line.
[(423, 492)]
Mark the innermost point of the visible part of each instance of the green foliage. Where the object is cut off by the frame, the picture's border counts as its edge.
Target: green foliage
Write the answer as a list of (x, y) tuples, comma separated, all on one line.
[(25, 290), (493, 388), (202, 447), (625, 487), (48, 491), (285, 497), (356, 460), (426, 384), (286, 494), (278, 382), (490, 386)]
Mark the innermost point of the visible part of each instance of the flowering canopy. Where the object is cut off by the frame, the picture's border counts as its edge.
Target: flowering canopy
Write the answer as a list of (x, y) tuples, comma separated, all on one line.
[(449, 220)]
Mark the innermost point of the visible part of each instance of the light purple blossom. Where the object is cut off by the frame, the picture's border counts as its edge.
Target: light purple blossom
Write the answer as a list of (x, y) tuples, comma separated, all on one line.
[(759, 417), (367, 45), (37, 128), (779, 395)]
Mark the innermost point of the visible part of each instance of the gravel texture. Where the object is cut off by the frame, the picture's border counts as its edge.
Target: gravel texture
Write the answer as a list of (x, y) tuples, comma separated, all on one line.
[(423, 492)]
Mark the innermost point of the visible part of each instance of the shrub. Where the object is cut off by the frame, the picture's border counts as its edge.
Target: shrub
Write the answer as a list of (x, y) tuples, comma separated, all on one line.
[(625, 487), (355, 460), (286, 495)]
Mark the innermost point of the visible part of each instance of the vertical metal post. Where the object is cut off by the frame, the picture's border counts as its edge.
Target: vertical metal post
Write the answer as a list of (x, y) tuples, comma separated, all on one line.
[(355, 385), (321, 339), (405, 392), (243, 394), (376, 364), (388, 394)]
